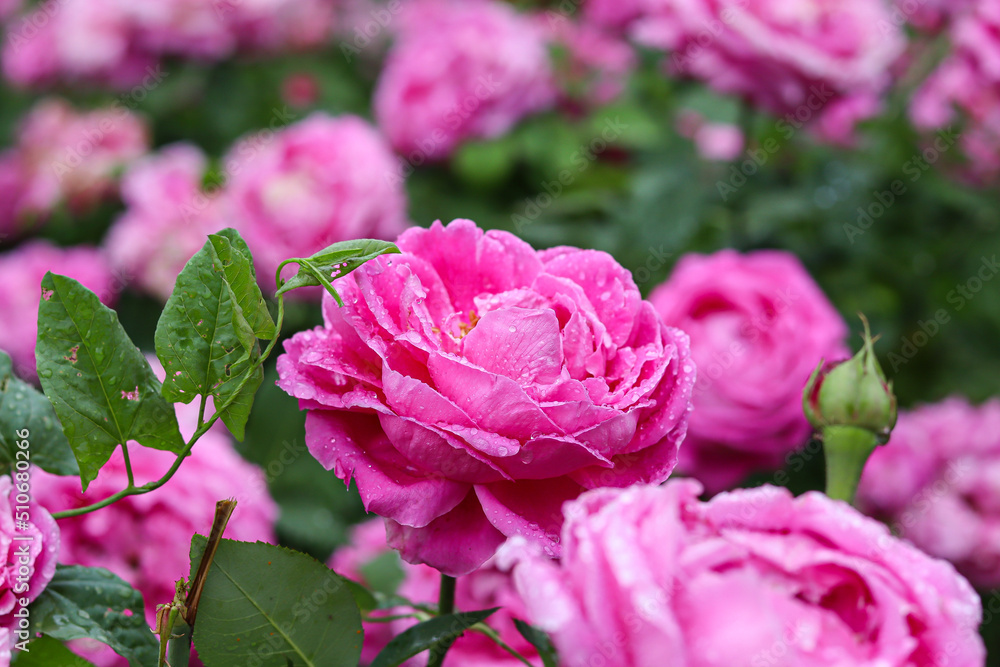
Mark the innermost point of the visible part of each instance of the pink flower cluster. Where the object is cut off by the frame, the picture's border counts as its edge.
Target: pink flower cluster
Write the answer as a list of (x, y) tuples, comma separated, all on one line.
[(63, 156), (966, 86), (21, 273), (935, 482), (289, 193), (471, 384), (489, 586), (752, 577), (145, 539), (33, 544), (460, 70), (759, 325), (121, 43), (804, 60)]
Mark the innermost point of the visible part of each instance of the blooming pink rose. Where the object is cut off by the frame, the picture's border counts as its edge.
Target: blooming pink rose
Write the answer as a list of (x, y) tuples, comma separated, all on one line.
[(935, 483), (489, 586), (145, 539), (63, 155), (966, 86), (167, 218), (471, 384), (318, 181), (39, 536), (759, 325), (790, 58), (752, 577), (21, 273), (460, 70)]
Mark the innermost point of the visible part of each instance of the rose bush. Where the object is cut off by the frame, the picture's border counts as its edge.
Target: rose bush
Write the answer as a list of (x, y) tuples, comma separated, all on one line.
[(805, 581), (471, 384)]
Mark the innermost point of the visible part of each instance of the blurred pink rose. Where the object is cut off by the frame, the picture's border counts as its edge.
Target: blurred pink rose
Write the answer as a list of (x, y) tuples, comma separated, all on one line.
[(460, 70), (615, 15), (34, 544), (966, 87), (167, 219), (595, 65), (714, 141), (471, 385), (935, 482), (8, 7), (759, 325), (929, 14), (489, 586), (793, 59), (66, 156), (145, 539), (314, 183), (21, 273), (752, 577), (120, 43)]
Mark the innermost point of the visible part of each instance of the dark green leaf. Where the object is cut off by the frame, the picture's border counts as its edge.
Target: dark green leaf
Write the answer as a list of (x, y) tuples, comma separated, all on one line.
[(341, 258), (436, 634), (204, 341), (48, 652), (102, 388), (24, 408), (274, 606), (90, 602), (237, 265), (362, 596), (540, 641)]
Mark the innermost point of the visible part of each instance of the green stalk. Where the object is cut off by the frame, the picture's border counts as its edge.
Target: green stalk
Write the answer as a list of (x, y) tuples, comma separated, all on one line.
[(446, 605), (847, 450)]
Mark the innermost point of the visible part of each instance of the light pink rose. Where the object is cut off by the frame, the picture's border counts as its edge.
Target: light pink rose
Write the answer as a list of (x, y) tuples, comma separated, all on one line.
[(39, 536), (21, 273), (966, 87), (316, 182), (714, 141), (167, 218), (759, 325), (489, 586), (936, 484), (793, 59), (145, 539), (471, 384), (68, 156), (752, 577), (460, 70)]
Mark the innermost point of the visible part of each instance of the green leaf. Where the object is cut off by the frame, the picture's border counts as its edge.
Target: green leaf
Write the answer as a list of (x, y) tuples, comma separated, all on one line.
[(203, 339), (273, 607), (540, 641), (236, 262), (362, 596), (48, 652), (437, 634), (102, 388), (23, 408), (383, 573), (342, 257), (90, 602)]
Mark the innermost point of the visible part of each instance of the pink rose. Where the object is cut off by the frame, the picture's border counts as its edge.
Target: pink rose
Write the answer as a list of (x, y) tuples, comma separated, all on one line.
[(489, 586), (318, 181), (167, 218), (714, 141), (966, 87), (145, 539), (39, 536), (460, 70), (790, 58), (935, 483), (21, 273), (759, 325), (752, 577), (596, 63), (471, 384)]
